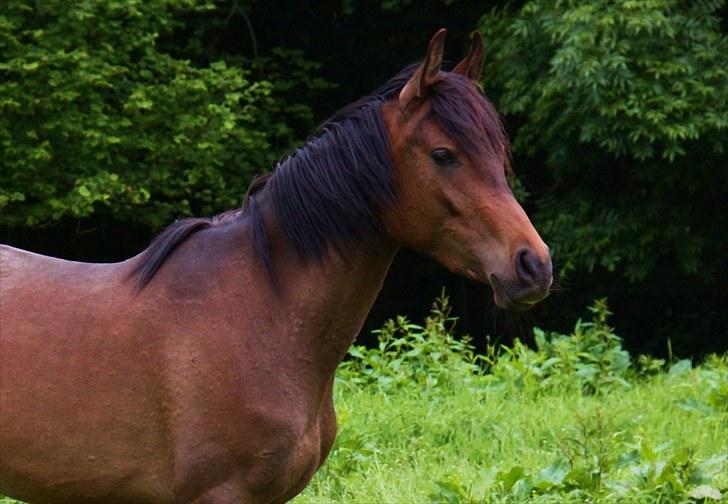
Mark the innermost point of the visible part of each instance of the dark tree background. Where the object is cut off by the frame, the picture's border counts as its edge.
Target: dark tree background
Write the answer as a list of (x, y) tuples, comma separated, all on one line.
[(116, 117)]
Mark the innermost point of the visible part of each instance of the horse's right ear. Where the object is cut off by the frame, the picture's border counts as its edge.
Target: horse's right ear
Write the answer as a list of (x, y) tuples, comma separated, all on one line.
[(416, 88)]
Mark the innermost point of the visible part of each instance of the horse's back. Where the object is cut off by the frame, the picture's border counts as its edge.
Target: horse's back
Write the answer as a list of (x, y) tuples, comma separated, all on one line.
[(71, 375), (42, 296), (15, 264)]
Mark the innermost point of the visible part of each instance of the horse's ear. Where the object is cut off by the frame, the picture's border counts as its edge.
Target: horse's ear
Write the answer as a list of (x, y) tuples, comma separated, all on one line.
[(472, 65), (427, 73)]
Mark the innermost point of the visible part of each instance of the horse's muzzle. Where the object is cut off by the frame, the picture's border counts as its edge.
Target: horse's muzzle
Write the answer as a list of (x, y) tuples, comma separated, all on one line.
[(533, 280)]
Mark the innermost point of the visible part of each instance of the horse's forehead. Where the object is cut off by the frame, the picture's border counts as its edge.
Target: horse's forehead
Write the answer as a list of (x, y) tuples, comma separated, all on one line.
[(416, 124), (429, 130), (457, 104), (421, 125)]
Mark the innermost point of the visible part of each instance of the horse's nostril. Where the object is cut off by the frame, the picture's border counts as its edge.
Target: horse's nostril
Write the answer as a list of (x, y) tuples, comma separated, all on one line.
[(528, 266)]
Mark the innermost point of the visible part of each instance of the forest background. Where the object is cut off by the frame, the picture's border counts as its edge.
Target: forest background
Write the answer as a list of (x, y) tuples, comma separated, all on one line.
[(119, 116)]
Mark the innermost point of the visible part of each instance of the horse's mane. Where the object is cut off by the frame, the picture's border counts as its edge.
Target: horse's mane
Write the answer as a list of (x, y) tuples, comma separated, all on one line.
[(332, 189)]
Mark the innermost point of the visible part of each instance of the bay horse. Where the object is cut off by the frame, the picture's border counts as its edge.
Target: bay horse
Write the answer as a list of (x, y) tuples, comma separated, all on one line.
[(201, 370)]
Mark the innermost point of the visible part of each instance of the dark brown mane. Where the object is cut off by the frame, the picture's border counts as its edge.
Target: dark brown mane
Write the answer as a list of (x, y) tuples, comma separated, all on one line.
[(168, 240), (330, 190)]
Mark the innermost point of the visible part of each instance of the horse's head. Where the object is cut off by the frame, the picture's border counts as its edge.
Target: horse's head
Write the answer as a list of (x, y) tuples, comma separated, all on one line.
[(451, 157)]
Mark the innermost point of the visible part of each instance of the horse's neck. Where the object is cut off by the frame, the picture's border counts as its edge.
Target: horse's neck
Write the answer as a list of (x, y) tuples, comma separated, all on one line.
[(326, 303)]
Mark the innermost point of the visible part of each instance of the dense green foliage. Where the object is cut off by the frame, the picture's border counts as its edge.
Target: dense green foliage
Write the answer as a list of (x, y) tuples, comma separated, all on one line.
[(628, 101), (95, 117), (421, 419)]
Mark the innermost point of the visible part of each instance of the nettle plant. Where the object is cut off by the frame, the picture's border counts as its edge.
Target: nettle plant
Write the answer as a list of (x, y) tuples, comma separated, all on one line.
[(590, 359), (596, 461), (428, 356)]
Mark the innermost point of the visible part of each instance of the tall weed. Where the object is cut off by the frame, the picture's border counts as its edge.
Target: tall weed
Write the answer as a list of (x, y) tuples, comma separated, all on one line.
[(407, 354), (590, 359)]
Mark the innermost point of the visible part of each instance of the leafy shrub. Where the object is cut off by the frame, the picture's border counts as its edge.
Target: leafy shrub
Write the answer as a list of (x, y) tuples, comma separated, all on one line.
[(96, 117), (652, 476), (712, 380), (591, 358), (627, 101), (409, 354)]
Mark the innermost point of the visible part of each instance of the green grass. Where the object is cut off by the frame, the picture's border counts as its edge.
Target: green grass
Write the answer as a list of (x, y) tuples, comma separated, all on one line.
[(561, 424), (423, 445), (423, 419)]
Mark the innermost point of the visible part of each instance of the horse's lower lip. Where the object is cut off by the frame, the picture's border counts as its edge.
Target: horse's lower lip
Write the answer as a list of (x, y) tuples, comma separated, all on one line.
[(505, 301), (511, 305)]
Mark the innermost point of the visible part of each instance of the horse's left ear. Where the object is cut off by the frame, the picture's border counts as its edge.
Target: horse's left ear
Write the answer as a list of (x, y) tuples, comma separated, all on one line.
[(472, 65), (416, 88)]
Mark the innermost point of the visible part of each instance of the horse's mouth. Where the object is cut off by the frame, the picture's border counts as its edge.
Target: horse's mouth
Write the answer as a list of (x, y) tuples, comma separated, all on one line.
[(505, 300)]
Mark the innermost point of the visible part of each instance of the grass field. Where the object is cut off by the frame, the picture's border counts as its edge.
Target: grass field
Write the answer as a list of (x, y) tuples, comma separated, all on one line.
[(423, 419)]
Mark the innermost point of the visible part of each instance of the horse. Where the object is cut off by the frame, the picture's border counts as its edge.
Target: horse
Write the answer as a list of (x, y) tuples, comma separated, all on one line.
[(201, 370)]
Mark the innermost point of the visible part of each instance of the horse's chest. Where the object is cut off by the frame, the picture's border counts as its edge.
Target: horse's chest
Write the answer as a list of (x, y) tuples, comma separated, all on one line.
[(272, 461), (303, 456)]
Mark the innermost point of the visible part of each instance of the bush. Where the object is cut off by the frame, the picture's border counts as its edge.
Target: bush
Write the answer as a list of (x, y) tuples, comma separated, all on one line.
[(409, 354), (96, 118), (618, 113), (590, 359), (628, 103)]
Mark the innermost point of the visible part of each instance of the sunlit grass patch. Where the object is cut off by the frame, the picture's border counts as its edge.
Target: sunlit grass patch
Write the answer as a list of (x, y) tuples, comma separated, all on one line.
[(421, 419)]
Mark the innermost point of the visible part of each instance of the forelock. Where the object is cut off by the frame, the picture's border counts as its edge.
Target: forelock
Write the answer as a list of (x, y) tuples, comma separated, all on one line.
[(468, 117)]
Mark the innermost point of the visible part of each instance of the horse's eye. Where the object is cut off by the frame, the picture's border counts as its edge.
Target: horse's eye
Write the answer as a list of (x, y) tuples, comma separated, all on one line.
[(443, 157)]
